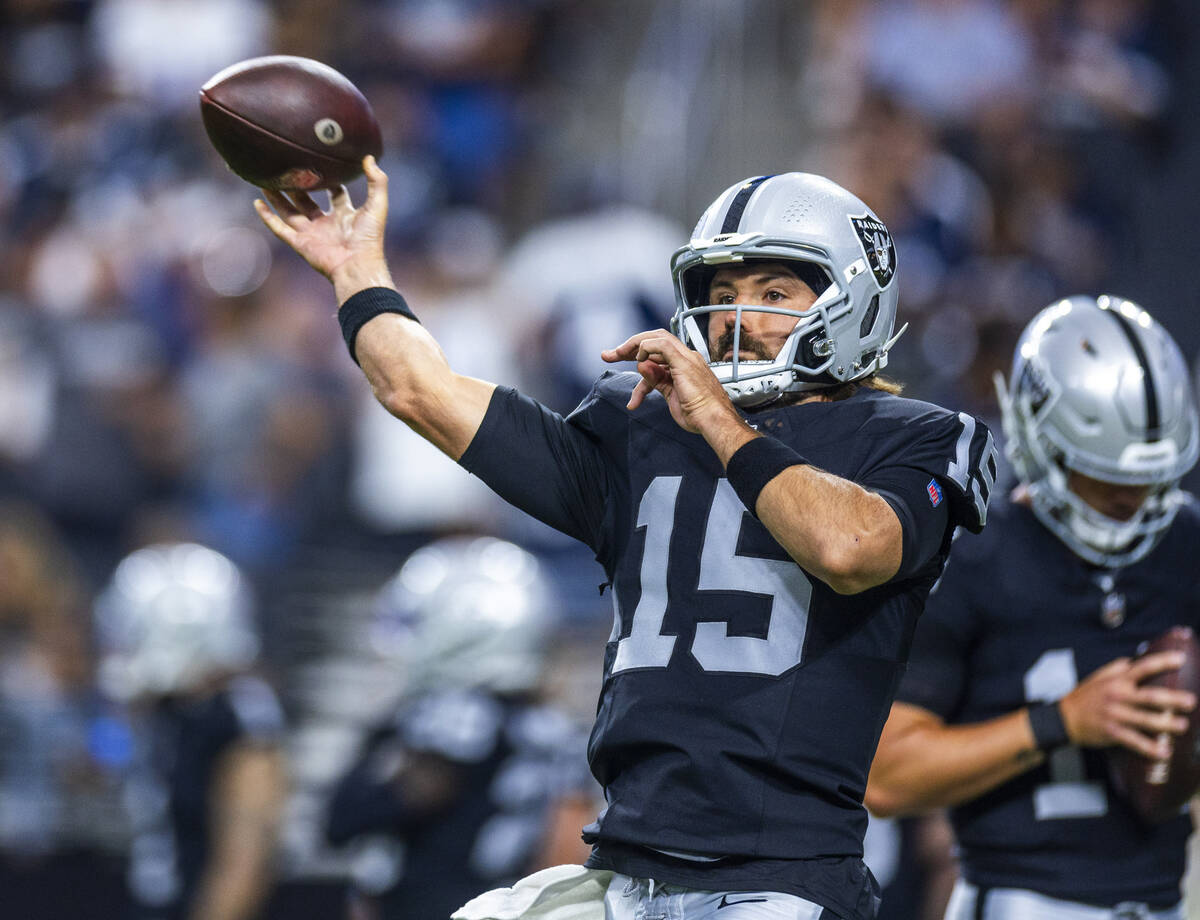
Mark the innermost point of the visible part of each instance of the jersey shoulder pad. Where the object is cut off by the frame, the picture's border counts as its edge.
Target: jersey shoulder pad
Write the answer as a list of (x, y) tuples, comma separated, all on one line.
[(956, 449), (602, 412)]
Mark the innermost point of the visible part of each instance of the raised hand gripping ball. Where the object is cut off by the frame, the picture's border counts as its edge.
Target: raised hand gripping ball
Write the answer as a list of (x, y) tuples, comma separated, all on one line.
[(1159, 789), (289, 123)]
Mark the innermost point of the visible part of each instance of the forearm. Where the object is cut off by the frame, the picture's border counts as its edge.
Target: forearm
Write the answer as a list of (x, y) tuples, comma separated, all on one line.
[(232, 889), (247, 807), (834, 529), (407, 370), (923, 764)]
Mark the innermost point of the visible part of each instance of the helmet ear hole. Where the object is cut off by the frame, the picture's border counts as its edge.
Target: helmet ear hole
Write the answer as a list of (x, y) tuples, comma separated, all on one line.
[(868, 320)]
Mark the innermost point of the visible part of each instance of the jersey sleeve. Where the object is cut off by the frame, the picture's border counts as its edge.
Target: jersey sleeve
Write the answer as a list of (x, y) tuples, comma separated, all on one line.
[(937, 664), (555, 469), (923, 524), (952, 456)]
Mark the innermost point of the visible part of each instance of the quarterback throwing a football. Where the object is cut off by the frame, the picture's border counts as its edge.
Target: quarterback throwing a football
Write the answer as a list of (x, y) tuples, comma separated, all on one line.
[(770, 517)]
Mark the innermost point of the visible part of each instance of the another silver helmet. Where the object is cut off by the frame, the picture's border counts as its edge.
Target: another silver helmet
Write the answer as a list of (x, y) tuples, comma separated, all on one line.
[(838, 246), (467, 612), (1100, 388), (172, 616)]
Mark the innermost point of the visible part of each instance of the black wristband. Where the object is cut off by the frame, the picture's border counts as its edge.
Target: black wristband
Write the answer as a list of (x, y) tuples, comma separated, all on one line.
[(1049, 730), (366, 305), (756, 463)]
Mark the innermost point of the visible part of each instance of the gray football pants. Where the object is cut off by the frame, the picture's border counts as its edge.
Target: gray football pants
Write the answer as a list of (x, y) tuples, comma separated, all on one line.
[(645, 899), (1018, 904)]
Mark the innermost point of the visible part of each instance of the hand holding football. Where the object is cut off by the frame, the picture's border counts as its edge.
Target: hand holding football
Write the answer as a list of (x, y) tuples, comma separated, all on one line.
[(289, 123), (1159, 789)]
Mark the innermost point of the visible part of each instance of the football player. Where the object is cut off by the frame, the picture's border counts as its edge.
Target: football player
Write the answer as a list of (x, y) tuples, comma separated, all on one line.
[(463, 779), (1021, 670), (174, 627), (770, 517)]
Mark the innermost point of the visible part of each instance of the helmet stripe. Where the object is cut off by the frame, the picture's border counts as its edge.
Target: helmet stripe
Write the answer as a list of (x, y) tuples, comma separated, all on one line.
[(1153, 425), (737, 207)]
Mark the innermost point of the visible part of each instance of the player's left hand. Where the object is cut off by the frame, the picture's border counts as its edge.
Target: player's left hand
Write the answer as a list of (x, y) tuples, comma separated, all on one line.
[(693, 393)]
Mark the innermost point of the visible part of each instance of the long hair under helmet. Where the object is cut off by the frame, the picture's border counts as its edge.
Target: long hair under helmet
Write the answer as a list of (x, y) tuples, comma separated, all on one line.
[(834, 243)]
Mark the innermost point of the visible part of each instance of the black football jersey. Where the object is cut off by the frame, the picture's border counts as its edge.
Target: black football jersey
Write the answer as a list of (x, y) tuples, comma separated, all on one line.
[(170, 788), (508, 760), (1018, 618), (742, 698)]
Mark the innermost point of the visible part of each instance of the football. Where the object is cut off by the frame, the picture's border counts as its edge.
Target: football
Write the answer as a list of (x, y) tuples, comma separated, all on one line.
[(289, 123), (1159, 789)]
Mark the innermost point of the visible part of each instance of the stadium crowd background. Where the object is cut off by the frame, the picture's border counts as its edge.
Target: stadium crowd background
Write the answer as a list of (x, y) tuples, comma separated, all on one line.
[(168, 373)]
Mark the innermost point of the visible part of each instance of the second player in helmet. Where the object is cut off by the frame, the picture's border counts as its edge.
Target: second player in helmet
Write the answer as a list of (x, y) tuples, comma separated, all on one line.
[(1040, 618), (206, 790), (458, 787)]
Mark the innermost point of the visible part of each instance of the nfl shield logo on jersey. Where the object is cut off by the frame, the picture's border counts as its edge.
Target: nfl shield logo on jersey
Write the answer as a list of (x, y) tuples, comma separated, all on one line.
[(877, 246), (935, 493)]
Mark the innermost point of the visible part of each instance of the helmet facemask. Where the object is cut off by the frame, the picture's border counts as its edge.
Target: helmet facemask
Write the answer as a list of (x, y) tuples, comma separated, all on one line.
[(801, 362), (833, 243)]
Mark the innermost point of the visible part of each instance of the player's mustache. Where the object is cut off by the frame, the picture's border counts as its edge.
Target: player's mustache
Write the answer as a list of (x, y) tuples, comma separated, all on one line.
[(747, 342)]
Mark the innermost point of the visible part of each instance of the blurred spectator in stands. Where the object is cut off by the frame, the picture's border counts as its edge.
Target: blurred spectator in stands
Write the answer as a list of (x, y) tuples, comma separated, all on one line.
[(467, 64), (206, 783), (139, 48), (262, 415), (974, 55), (940, 208), (62, 748), (595, 273), (473, 777)]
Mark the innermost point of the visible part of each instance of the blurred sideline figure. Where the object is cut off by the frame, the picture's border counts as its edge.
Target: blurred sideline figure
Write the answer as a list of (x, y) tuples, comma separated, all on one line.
[(207, 784), (1020, 672), (465, 786), (63, 748)]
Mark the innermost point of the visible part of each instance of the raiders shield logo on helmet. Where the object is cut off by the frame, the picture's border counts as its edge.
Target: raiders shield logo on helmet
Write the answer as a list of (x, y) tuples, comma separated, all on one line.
[(877, 247)]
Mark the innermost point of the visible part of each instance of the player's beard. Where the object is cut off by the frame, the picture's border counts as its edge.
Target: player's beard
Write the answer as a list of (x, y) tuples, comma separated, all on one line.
[(747, 343)]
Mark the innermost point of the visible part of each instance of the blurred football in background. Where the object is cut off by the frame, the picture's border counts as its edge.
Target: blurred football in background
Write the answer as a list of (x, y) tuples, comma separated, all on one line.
[(1159, 789), (289, 123)]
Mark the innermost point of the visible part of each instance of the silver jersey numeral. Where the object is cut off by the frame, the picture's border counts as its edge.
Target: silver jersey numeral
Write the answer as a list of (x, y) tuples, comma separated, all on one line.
[(721, 569), (1069, 794)]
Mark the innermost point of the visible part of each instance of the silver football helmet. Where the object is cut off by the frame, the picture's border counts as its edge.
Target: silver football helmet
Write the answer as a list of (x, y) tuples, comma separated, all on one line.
[(172, 616), (465, 613), (836, 244), (1100, 388)]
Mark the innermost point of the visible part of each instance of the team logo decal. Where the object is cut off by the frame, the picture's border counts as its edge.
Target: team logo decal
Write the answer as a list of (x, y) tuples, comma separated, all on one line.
[(877, 247), (934, 491)]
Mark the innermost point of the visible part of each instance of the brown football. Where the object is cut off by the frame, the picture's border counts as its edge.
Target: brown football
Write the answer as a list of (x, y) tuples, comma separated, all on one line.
[(283, 122), (1159, 789)]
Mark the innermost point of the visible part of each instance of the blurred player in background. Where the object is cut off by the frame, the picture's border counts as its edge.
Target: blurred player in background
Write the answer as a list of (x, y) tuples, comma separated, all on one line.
[(770, 516), (457, 791), (1020, 672), (208, 782)]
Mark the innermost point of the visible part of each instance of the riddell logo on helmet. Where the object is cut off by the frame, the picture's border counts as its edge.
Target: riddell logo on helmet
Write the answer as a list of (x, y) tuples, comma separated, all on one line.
[(877, 246)]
